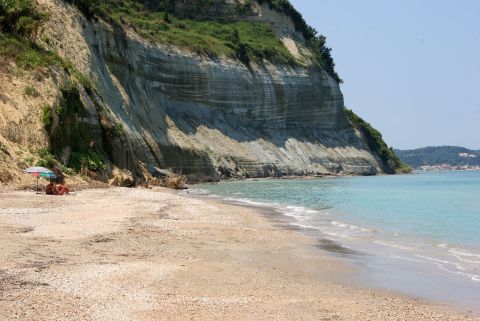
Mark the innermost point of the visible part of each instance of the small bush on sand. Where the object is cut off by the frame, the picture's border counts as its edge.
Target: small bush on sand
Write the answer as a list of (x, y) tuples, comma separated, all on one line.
[(31, 91), (3, 148), (175, 181)]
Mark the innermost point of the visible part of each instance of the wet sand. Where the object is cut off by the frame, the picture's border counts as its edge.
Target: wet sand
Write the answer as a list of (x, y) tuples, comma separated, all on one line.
[(136, 254)]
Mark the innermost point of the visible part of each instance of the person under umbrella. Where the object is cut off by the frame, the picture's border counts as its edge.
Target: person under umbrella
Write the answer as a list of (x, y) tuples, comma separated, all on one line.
[(40, 172)]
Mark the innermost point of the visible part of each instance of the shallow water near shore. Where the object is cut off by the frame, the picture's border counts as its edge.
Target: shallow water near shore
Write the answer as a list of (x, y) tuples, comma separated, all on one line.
[(417, 234)]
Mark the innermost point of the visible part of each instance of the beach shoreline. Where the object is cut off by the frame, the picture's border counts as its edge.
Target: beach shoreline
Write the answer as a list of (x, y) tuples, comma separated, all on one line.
[(377, 263), (139, 254)]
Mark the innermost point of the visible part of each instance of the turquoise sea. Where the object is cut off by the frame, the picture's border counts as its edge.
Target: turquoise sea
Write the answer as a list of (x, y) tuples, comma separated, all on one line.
[(418, 234)]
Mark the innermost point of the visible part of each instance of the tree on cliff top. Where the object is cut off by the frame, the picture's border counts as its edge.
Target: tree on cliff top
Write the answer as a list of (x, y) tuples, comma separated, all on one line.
[(375, 142)]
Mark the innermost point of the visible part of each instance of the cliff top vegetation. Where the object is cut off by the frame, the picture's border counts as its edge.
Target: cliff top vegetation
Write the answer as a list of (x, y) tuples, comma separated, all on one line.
[(242, 40), (377, 144), (316, 42), (245, 41)]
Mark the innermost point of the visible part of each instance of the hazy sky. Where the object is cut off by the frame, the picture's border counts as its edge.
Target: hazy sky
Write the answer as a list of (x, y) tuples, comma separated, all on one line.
[(411, 68)]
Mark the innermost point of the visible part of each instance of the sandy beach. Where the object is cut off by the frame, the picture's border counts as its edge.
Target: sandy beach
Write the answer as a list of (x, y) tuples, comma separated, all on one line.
[(138, 254)]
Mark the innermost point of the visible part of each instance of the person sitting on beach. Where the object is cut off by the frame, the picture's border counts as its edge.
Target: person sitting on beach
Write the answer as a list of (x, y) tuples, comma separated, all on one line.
[(51, 188), (62, 189)]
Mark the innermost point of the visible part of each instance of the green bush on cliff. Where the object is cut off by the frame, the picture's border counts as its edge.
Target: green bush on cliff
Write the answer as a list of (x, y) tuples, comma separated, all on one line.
[(46, 159), (78, 161), (47, 117), (323, 55), (31, 91), (29, 56), (25, 53), (19, 21), (289, 10), (89, 160), (377, 144), (20, 17), (70, 133)]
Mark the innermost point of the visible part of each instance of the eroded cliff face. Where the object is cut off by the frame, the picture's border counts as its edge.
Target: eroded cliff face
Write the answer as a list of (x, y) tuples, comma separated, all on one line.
[(209, 117), (219, 117)]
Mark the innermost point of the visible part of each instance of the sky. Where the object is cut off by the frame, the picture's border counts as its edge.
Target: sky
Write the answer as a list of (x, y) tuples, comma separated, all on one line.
[(411, 68)]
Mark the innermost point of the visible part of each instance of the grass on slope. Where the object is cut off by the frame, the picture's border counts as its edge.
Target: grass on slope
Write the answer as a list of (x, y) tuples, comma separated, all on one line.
[(246, 41), (25, 53), (19, 21), (29, 56)]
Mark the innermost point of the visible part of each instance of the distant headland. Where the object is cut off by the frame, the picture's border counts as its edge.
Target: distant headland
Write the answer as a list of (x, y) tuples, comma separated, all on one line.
[(441, 158)]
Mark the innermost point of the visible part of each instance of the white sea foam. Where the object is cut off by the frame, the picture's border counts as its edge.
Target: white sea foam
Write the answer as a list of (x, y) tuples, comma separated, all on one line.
[(338, 235), (198, 191), (440, 261), (349, 226), (394, 245), (250, 202), (434, 259), (468, 261), (473, 277), (405, 258), (462, 253), (340, 224), (306, 226)]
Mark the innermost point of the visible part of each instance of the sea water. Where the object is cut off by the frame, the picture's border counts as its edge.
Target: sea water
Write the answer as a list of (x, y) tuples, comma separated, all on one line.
[(418, 234)]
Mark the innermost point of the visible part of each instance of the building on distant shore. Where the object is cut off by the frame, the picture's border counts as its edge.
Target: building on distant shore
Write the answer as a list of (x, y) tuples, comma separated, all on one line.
[(467, 155), (447, 167)]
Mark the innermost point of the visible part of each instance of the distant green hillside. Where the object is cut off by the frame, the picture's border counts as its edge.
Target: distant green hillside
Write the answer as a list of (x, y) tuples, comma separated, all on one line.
[(450, 155)]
